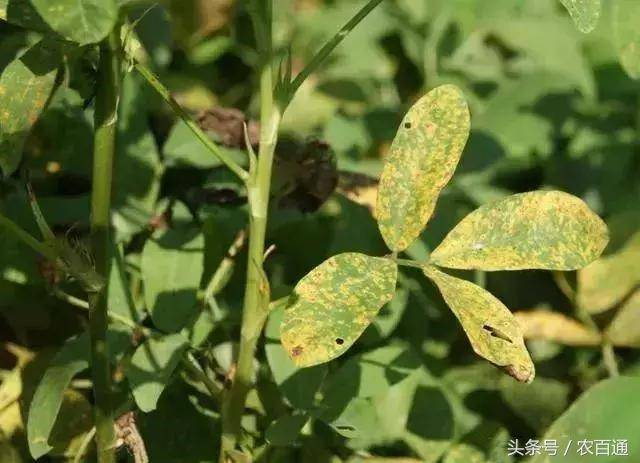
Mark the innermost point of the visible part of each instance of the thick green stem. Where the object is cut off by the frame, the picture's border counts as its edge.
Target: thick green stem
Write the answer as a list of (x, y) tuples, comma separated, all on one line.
[(256, 298), (106, 118)]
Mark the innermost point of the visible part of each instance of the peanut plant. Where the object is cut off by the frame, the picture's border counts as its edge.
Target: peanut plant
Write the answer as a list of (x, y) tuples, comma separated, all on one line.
[(151, 309)]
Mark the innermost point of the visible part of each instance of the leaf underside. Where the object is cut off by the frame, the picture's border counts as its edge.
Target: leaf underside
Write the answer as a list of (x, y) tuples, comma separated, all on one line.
[(333, 304), (491, 328), (585, 13), (537, 230)]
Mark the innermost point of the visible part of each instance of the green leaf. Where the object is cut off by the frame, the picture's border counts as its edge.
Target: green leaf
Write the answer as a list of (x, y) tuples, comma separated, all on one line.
[(491, 328), (420, 162), (172, 267), (536, 230), (72, 358), (626, 16), (284, 431), (151, 366), (607, 411), (81, 21), (585, 13), (607, 281), (299, 386), (333, 304), (25, 86)]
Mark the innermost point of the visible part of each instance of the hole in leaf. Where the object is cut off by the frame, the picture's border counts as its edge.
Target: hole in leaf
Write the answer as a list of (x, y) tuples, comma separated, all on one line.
[(496, 333), (339, 341), (407, 125)]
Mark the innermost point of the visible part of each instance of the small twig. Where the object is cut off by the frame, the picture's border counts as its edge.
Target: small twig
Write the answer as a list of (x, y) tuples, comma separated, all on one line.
[(84, 445), (41, 248), (609, 358), (127, 432), (153, 80), (193, 367)]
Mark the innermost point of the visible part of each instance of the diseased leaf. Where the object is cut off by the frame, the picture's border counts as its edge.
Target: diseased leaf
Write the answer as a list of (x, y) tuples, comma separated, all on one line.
[(609, 279), (585, 13), (491, 328), (151, 366), (624, 329), (537, 230), (420, 162), (553, 326), (333, 304), (626, 17), (172, 267), (81, 21), (25, 86)]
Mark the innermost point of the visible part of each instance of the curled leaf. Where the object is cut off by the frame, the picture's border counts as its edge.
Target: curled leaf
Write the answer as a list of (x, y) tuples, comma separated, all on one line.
[(537, 230), (585, 13), (491, 328), (333, 304), (605, 282), (553, 326), (420, 162)]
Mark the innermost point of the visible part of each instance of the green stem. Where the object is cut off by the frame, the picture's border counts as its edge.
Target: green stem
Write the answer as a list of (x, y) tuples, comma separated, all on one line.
[(41, 248), (106, 118), (609, 358), (164, 92), (255, 309), (331, 45)]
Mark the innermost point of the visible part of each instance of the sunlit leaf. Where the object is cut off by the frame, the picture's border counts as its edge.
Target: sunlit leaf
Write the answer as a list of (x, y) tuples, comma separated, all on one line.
[(491, 328), (626, 16), (585, 13), (420, 162), (152, 364), (624, 329), (81, 21), (25, 86), (608, 280), (536, 230), (607, 412), (333, 304), (553, 326)]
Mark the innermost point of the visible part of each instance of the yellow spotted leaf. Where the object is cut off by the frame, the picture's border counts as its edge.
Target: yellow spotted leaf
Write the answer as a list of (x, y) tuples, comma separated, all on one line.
[(420, 162), (536, 230), (491, 328), (333, 304), (547, 325), (585, 13), (608, 280), (624, 329)]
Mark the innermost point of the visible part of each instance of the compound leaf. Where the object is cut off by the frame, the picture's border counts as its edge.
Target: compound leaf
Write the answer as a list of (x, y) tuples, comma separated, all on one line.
[(152, 364), (491, 328), (333, 304), (421, 161), (80, 21), (536, 230), (626, 16), (25, 86), (585, 13)]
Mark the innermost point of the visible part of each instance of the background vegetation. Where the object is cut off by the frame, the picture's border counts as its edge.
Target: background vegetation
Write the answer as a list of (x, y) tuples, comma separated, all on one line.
[(552, 108)]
